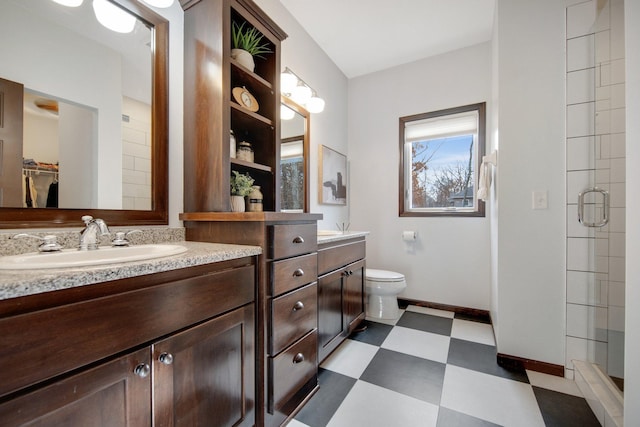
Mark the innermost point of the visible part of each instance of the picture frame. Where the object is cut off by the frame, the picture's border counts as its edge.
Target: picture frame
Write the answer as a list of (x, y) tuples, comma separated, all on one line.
[(333, 177)]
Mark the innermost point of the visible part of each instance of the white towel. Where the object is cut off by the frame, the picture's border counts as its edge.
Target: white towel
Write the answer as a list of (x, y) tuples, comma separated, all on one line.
[(484, 181)]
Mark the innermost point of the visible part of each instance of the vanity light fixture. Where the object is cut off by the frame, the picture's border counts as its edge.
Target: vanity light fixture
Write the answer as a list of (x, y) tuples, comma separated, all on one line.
[(158, 3), (113, 17), (300, 92), (69, 3)]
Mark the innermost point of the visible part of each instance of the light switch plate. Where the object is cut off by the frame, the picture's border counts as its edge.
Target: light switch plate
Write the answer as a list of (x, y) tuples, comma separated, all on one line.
[(539, 200)]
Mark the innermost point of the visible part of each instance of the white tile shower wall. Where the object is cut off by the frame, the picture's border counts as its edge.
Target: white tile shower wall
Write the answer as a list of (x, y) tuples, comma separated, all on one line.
[(595, 148), (136, 155)]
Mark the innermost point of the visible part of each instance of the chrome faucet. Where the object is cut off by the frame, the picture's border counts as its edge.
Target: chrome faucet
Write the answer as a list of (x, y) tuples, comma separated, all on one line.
[(89, 236)]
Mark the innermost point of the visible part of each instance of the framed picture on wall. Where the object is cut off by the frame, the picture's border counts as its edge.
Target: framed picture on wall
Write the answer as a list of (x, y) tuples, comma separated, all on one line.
[(333, 177)]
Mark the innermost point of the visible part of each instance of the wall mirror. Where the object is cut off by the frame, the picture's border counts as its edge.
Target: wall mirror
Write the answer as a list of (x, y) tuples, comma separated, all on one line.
[(294, 157), (94, 115)]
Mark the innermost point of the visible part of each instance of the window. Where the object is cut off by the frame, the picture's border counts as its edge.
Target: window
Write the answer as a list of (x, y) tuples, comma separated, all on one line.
[(440, 155)]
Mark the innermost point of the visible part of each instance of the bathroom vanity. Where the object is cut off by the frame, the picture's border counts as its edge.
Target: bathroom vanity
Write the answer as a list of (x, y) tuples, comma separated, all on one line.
[(86, 354), (341, 289)]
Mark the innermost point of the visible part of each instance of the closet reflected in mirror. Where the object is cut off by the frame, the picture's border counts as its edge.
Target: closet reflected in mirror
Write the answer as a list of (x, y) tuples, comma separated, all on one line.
[(294, 157)]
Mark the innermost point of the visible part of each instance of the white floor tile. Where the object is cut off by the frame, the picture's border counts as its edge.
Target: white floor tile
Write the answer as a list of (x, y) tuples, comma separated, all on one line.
[(473, 331), (391, 322), (418, 343), (296, 423), (552, 382), (492, 398), (351, 358), (368, 405), (431, 311)]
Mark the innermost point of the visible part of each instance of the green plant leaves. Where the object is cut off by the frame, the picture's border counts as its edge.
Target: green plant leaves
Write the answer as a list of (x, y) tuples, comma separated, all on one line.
[(249, 39)]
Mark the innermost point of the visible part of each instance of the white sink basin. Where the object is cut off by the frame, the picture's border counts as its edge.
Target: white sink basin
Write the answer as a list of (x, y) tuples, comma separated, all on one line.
[(73, 258), (329, 233)]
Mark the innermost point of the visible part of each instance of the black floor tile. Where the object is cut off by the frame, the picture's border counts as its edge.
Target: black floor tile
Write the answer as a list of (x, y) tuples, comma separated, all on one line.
[(482, 358), (450, 418), (426, 323), (564, 410), (334, 387), (375, 334), (409, 375)]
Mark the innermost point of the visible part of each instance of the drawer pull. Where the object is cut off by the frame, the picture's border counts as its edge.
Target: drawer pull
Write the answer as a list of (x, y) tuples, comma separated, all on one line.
[(298, 358), (166, 358), (298, 239), (298, 306), (298, 273), (142, 370)]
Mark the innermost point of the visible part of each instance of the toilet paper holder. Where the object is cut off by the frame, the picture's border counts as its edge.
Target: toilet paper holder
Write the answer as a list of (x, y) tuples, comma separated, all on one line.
[(409, 236)]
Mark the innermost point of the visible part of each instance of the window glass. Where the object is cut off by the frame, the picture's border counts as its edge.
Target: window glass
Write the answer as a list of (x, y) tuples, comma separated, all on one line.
[(440, 158)]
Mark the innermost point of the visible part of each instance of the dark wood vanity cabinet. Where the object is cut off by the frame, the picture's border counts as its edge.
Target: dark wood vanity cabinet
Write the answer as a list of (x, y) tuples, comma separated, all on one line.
[(287, 320), (341, 292), (174, 348)]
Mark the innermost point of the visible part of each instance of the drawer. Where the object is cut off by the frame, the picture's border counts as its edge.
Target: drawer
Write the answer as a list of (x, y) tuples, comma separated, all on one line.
[(292, 239), (292, 273), (292, 316), (291, 369), (338, 256)]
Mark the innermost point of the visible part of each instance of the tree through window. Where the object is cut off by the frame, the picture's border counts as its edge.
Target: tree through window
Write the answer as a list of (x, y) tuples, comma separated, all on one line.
[(440, 157)]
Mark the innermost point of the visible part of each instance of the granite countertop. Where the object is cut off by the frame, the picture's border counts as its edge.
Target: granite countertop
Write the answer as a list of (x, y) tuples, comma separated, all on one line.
[(17, 283), (340, 236)]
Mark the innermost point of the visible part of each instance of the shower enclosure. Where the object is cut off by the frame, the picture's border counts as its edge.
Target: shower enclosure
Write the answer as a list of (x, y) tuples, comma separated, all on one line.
[(595, 148)]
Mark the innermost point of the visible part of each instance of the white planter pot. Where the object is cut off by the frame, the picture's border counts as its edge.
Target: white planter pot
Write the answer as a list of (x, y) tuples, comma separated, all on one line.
[(237, 204), (244, 58)]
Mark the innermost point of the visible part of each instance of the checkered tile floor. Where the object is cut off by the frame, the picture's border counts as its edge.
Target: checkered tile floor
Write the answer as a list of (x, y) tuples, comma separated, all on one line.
[(435, 368)]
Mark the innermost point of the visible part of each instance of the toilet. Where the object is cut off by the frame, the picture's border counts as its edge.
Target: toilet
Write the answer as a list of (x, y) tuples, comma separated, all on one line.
[(383, 288)]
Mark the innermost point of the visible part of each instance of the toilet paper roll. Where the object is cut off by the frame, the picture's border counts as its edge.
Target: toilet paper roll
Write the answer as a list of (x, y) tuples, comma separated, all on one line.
[(409, 236)]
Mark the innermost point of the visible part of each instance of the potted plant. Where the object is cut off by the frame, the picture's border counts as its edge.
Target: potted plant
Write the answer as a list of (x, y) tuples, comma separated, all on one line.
[(247, 43), (241, 186)]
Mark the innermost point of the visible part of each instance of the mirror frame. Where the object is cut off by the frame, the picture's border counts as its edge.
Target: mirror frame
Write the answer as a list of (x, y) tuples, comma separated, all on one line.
[(305, 145), (158, 215)]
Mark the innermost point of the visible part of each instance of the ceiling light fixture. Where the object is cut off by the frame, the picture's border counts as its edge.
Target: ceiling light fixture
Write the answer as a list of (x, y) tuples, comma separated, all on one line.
[(69, 3), (158, 3), (300, 92), (113, 17), (286, 113)]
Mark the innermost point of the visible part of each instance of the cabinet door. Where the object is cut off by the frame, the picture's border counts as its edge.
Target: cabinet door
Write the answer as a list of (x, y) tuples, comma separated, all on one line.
[(353, 295), (110, 394), (205, 376), (330, 318)]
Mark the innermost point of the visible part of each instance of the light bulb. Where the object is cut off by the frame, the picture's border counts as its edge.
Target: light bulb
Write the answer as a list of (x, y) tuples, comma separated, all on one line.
[(159, 3), (301, 94), (112, 17), (69, 3), (315, 104), (286, 113), (287, 82)]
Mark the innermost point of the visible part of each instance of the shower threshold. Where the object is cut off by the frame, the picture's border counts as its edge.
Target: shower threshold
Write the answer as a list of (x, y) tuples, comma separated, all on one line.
[(602, 395)]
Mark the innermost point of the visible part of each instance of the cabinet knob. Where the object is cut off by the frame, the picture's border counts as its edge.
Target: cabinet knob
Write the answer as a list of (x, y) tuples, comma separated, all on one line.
[(298, 306), (142, 370), (298, 239), (166, 358), (298, 358), (298, 273)]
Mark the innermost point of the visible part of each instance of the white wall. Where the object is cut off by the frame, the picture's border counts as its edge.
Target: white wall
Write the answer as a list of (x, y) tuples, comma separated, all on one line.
[(450, 262), (632, 323), (302, 55), (531, 249)]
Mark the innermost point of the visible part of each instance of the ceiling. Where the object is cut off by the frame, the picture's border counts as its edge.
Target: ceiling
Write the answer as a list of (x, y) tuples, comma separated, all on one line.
[(364, 36)]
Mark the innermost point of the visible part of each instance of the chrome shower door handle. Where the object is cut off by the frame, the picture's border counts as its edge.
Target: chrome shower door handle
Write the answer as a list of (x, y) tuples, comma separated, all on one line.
[(605, 207)]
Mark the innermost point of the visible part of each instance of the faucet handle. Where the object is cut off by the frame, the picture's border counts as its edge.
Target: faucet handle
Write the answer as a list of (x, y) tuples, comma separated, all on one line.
[(86, 219), (121, 238), (49, 242)]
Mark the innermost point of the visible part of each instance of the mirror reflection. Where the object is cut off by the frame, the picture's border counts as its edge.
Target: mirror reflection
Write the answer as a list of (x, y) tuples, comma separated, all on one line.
[(294, 131), (86, 94)]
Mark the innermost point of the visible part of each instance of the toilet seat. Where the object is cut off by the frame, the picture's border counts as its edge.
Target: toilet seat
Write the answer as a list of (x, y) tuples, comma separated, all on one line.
[(383, 275)]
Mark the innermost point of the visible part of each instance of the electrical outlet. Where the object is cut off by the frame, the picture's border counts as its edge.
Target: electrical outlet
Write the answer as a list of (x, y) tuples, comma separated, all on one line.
[(539, 200)]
